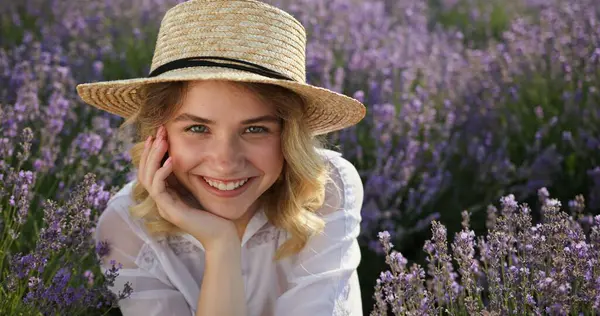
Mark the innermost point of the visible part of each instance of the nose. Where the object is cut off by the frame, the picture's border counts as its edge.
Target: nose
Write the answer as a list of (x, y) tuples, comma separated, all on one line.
[(227, 154)]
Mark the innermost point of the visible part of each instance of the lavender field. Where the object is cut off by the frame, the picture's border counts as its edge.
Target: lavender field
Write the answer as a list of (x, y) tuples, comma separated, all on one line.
[(480, 152)]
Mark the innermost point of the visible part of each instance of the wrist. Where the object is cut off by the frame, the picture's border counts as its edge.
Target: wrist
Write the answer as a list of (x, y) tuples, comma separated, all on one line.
[(226, 248)]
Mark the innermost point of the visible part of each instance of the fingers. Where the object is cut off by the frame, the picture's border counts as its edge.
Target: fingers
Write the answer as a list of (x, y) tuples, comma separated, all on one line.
[(153, 176), (155, 154), (160, 177), (159, 190)]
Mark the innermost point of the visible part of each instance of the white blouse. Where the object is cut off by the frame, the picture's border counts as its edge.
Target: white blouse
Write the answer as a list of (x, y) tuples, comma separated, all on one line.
[(321, 280)]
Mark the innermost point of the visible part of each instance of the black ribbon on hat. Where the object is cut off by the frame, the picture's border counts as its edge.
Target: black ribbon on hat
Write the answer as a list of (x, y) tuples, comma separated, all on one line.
[(198, 61)]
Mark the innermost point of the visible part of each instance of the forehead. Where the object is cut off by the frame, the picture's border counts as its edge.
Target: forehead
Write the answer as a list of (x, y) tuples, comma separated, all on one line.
[(206, 96)]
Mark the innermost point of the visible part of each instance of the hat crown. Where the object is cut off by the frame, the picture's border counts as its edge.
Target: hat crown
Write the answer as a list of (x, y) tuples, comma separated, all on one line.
[(246, 30)]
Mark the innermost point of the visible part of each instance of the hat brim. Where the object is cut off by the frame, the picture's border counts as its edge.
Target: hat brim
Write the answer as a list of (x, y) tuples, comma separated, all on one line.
[(327, 110)]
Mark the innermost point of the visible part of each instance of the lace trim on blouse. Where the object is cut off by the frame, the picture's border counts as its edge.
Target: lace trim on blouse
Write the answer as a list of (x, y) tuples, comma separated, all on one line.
[(265, 235), (147, 258), (181, 245)]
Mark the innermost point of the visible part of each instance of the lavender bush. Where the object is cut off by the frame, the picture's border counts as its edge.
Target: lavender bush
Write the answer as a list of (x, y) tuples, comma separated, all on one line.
[(518, 268), (100, 39), (56, 274), (479, 21), (49, 200)]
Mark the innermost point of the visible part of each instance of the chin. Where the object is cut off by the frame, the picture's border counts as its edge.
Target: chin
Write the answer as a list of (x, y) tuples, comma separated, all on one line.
[(231, 212)]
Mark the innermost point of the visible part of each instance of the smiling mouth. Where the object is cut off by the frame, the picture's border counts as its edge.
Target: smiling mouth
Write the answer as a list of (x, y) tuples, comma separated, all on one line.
[(226, 186)]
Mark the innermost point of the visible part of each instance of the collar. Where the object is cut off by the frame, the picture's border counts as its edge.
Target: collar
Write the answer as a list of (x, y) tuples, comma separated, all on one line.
[(258, 220)]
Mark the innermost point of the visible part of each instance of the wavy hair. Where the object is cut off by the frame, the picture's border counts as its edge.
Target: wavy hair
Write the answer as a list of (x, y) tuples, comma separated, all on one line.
[(289, 204)]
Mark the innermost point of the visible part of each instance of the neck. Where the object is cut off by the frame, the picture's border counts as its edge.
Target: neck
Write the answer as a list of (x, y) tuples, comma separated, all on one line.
[(240, 229), (242, 222)]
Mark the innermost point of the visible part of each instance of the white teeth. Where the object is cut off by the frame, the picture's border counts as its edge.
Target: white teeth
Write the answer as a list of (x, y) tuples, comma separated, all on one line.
[(225, 186)]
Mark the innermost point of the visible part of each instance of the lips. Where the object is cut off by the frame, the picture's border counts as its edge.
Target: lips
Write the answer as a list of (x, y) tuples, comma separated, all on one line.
[(226, 186), (235, 191)]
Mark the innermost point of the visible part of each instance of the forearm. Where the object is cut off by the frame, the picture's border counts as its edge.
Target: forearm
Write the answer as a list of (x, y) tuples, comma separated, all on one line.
[(222, 291)]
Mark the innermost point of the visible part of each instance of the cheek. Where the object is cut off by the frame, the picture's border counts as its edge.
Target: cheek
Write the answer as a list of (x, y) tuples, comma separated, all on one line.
[(269, 158), (184, 153)]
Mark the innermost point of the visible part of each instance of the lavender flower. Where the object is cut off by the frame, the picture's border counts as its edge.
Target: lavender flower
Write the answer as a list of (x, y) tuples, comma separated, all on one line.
[(66, 236), (546, 268)]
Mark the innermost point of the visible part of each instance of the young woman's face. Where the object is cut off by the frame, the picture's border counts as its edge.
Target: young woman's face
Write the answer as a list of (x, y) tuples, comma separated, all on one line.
[(226, 146)]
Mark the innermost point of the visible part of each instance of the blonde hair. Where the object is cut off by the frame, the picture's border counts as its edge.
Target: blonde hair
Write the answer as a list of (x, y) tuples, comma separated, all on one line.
[(289, 204)]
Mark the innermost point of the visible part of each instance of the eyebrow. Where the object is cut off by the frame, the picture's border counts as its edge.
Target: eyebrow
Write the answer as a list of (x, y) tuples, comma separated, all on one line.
[(190, 117)]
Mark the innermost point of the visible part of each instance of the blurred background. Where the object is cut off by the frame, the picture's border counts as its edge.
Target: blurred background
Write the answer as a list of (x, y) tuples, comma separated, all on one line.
[(468, 101)]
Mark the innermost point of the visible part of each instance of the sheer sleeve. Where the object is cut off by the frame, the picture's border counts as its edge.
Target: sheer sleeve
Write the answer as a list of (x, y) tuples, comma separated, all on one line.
[(152, 294), (322, 278)]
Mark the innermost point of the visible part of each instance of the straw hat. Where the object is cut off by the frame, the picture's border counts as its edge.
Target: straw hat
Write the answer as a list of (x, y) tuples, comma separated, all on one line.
[(238, 40)]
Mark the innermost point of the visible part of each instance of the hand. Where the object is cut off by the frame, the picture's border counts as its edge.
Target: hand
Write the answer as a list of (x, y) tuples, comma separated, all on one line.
[(211, 230)]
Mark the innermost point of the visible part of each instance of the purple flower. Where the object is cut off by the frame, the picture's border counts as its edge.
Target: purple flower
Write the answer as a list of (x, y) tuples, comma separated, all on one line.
[(524, 267), (102, 249)]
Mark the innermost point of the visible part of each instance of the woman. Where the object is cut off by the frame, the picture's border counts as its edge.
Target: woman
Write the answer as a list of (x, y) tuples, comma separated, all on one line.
[(237, 209)]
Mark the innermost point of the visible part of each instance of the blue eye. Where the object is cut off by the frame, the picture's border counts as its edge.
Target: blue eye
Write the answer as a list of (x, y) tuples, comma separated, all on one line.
[(256, 129), (197, 129)]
